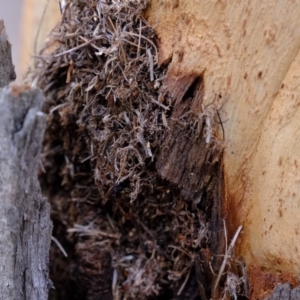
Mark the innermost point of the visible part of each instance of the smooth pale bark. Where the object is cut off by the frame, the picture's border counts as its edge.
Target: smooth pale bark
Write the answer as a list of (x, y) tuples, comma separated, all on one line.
[(248, 52), (39, 18)]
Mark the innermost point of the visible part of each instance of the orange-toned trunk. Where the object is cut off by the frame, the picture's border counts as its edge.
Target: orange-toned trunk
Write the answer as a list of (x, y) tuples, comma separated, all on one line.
[(249, 54), (39, 18)]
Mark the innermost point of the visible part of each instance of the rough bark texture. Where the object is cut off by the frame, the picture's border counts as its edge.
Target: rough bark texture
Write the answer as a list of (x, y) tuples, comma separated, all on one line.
[(25, 224), (7, 69), (285, 292), (187, 161)]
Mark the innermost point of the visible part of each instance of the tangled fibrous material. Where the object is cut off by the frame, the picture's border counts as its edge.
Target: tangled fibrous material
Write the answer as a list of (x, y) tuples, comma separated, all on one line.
[(104, 71), (106, 121)]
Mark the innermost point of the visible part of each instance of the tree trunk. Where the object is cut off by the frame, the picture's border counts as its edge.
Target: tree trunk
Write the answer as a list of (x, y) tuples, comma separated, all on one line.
[(249, 55), (39, 18), (7, 69), (25, 215)]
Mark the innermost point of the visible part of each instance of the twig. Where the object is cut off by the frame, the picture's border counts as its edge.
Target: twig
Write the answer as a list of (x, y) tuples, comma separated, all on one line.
[(78, 47), (149, 41), (57, 107), (92, 232), (159, 104), (58, 244), (138, 52), (181, 250), (150, 64), (184, 283), (221, 123), (39, 28), (227, 254)]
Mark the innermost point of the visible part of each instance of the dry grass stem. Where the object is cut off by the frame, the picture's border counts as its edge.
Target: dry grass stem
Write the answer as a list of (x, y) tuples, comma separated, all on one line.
[(58, 244), (228, 253)]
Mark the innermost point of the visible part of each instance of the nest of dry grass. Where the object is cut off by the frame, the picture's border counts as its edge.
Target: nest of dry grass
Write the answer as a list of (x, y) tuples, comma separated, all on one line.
[(129, 233)]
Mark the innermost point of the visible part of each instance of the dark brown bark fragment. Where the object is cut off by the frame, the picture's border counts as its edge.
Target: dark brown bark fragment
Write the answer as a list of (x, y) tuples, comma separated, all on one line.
[(203, 273), (95, 272), (7, 69), (193, 163), (25, 224)]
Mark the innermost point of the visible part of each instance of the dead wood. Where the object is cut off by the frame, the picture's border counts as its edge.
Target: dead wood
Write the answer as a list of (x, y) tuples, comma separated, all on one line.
[(25, 224), (7, 69), (285, 292)]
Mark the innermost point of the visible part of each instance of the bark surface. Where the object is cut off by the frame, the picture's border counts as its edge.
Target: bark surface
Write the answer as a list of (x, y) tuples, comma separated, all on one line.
[(25, 224), (7, 69), (249, 55), (285, 292)]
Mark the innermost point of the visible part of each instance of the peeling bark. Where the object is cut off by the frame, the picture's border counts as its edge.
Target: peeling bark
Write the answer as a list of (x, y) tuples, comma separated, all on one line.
[(193, 162)]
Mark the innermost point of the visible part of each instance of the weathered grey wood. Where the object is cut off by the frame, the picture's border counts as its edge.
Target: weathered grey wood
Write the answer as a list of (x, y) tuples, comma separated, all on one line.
[(25, 226), (7, 69), (285, 292)]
